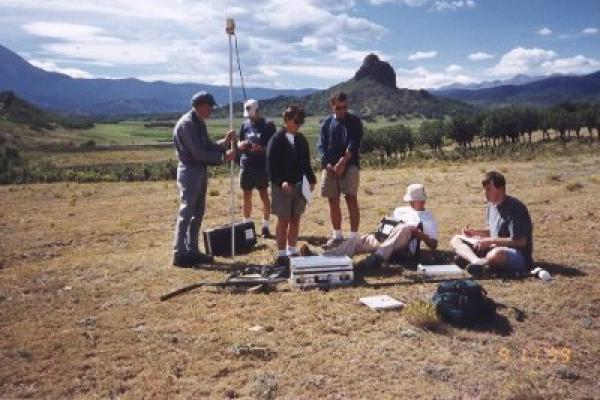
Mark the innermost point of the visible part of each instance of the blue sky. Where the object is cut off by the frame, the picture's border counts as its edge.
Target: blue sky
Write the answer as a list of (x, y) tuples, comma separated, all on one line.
[(305, 43)]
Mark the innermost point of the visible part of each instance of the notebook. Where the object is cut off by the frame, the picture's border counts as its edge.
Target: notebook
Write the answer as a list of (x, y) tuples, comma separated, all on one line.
[(383, 302), (440, 270)]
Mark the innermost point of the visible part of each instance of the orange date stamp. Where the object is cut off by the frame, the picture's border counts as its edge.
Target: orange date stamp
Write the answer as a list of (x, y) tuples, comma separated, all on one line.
[(541, 353)]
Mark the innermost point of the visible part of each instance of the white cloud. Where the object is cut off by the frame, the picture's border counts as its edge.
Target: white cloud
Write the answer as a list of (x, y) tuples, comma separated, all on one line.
[(65, 31), (453, 68), (480, 56), (541, 62), (573, 65), (185, 40), (315, 71), (421, 55), (545, 31), (589, 31), (52, 67), (521, 61), (433, 5), (421, 77), (452, 5)]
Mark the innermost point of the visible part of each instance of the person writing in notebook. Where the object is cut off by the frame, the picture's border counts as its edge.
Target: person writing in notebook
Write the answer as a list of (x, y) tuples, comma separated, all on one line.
[(505, 244)]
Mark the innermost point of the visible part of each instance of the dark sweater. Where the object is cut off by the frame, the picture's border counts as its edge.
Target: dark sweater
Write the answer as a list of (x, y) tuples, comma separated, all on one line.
[(337, 136), (287, 163), (259, 132)]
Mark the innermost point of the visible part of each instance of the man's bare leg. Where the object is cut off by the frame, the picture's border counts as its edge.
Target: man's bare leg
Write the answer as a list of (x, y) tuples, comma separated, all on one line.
[(264, 196), (465, 251), (335, 213), (354, 212), (247, 204), (292, 234)]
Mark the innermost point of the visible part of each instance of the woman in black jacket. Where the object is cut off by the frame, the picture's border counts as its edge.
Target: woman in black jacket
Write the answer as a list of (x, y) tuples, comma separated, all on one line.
[(288, 161)]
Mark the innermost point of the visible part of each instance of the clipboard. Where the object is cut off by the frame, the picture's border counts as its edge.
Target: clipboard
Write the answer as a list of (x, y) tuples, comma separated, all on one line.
[(306, 192)]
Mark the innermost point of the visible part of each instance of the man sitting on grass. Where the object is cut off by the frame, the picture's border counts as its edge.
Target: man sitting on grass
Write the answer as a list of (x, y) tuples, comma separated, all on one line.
[(505, 244), (414, 223)]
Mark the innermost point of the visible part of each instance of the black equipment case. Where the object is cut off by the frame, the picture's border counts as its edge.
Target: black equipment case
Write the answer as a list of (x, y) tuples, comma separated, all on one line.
[(217, 241)]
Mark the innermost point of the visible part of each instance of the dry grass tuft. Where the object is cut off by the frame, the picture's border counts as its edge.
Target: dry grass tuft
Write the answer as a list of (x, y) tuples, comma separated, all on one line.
[(573, 186), (553, 178), (423, 315)]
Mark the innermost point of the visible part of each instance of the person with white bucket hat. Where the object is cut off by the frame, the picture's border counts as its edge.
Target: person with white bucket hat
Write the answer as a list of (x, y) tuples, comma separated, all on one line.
[(414, 222)]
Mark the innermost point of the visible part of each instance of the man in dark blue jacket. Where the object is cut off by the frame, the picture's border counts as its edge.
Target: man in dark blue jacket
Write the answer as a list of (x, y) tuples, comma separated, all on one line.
[(339, 145)]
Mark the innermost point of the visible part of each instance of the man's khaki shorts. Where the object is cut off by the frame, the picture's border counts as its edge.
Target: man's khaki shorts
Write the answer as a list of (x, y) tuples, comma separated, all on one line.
[(286, 205), (347, 184)]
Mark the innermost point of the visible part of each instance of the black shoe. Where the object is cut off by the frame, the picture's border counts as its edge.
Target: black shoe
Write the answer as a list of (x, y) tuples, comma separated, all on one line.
[(201, 258), (184, 261), (373, 261), (461, 262), (282, 261), (478, 270), (266, 233)]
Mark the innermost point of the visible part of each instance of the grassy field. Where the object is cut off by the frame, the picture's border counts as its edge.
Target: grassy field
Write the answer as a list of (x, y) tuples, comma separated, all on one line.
[(112, 141), (82, 267), (134, 132)]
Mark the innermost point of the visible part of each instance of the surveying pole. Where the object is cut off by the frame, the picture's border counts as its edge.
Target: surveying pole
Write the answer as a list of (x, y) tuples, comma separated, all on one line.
[(230, 30)]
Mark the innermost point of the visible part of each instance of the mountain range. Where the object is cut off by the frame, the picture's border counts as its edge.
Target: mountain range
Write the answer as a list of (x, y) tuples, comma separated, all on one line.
[(519, 79), (544, 92), (62, 93), (372, 90)]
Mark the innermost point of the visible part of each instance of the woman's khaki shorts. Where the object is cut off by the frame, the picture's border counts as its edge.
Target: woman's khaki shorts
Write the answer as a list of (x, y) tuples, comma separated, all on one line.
[(286, 205)]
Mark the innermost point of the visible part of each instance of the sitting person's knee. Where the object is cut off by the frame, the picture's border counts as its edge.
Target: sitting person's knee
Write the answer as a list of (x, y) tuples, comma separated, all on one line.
[(455, 241), (496, 257)]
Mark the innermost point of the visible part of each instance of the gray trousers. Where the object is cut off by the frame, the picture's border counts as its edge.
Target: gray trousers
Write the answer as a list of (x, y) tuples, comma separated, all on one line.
[(192, 181)]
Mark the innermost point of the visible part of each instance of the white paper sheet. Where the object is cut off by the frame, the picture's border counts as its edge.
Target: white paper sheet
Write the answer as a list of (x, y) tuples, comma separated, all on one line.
[(306, 192), (383, 302)]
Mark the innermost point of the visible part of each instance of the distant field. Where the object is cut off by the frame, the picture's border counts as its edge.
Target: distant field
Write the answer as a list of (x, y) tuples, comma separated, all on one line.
[(134, 132)]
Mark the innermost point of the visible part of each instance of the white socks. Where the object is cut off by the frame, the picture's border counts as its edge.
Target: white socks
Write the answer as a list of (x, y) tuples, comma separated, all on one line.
[(353, 235), (338, 234), (291, 251)]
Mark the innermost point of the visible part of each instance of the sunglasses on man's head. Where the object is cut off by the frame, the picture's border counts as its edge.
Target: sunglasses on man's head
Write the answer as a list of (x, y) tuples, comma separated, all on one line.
[(340, 108)]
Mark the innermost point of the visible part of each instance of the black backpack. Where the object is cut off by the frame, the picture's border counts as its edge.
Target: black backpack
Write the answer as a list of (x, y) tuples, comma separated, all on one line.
[(463, 302)]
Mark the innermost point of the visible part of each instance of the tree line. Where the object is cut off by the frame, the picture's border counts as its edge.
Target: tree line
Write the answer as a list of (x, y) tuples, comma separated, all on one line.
[(511, 124)]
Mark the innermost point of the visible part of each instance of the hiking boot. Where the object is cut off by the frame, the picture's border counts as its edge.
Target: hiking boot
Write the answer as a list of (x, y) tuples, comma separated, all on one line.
[(332, 243), (461, 262), (184, 261), (266, 233), (478, 270), (373, 261), (282, 261), (201, 258)]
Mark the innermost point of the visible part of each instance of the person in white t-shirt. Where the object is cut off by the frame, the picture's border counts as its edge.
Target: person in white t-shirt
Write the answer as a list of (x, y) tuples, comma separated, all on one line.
[(417, 223)]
